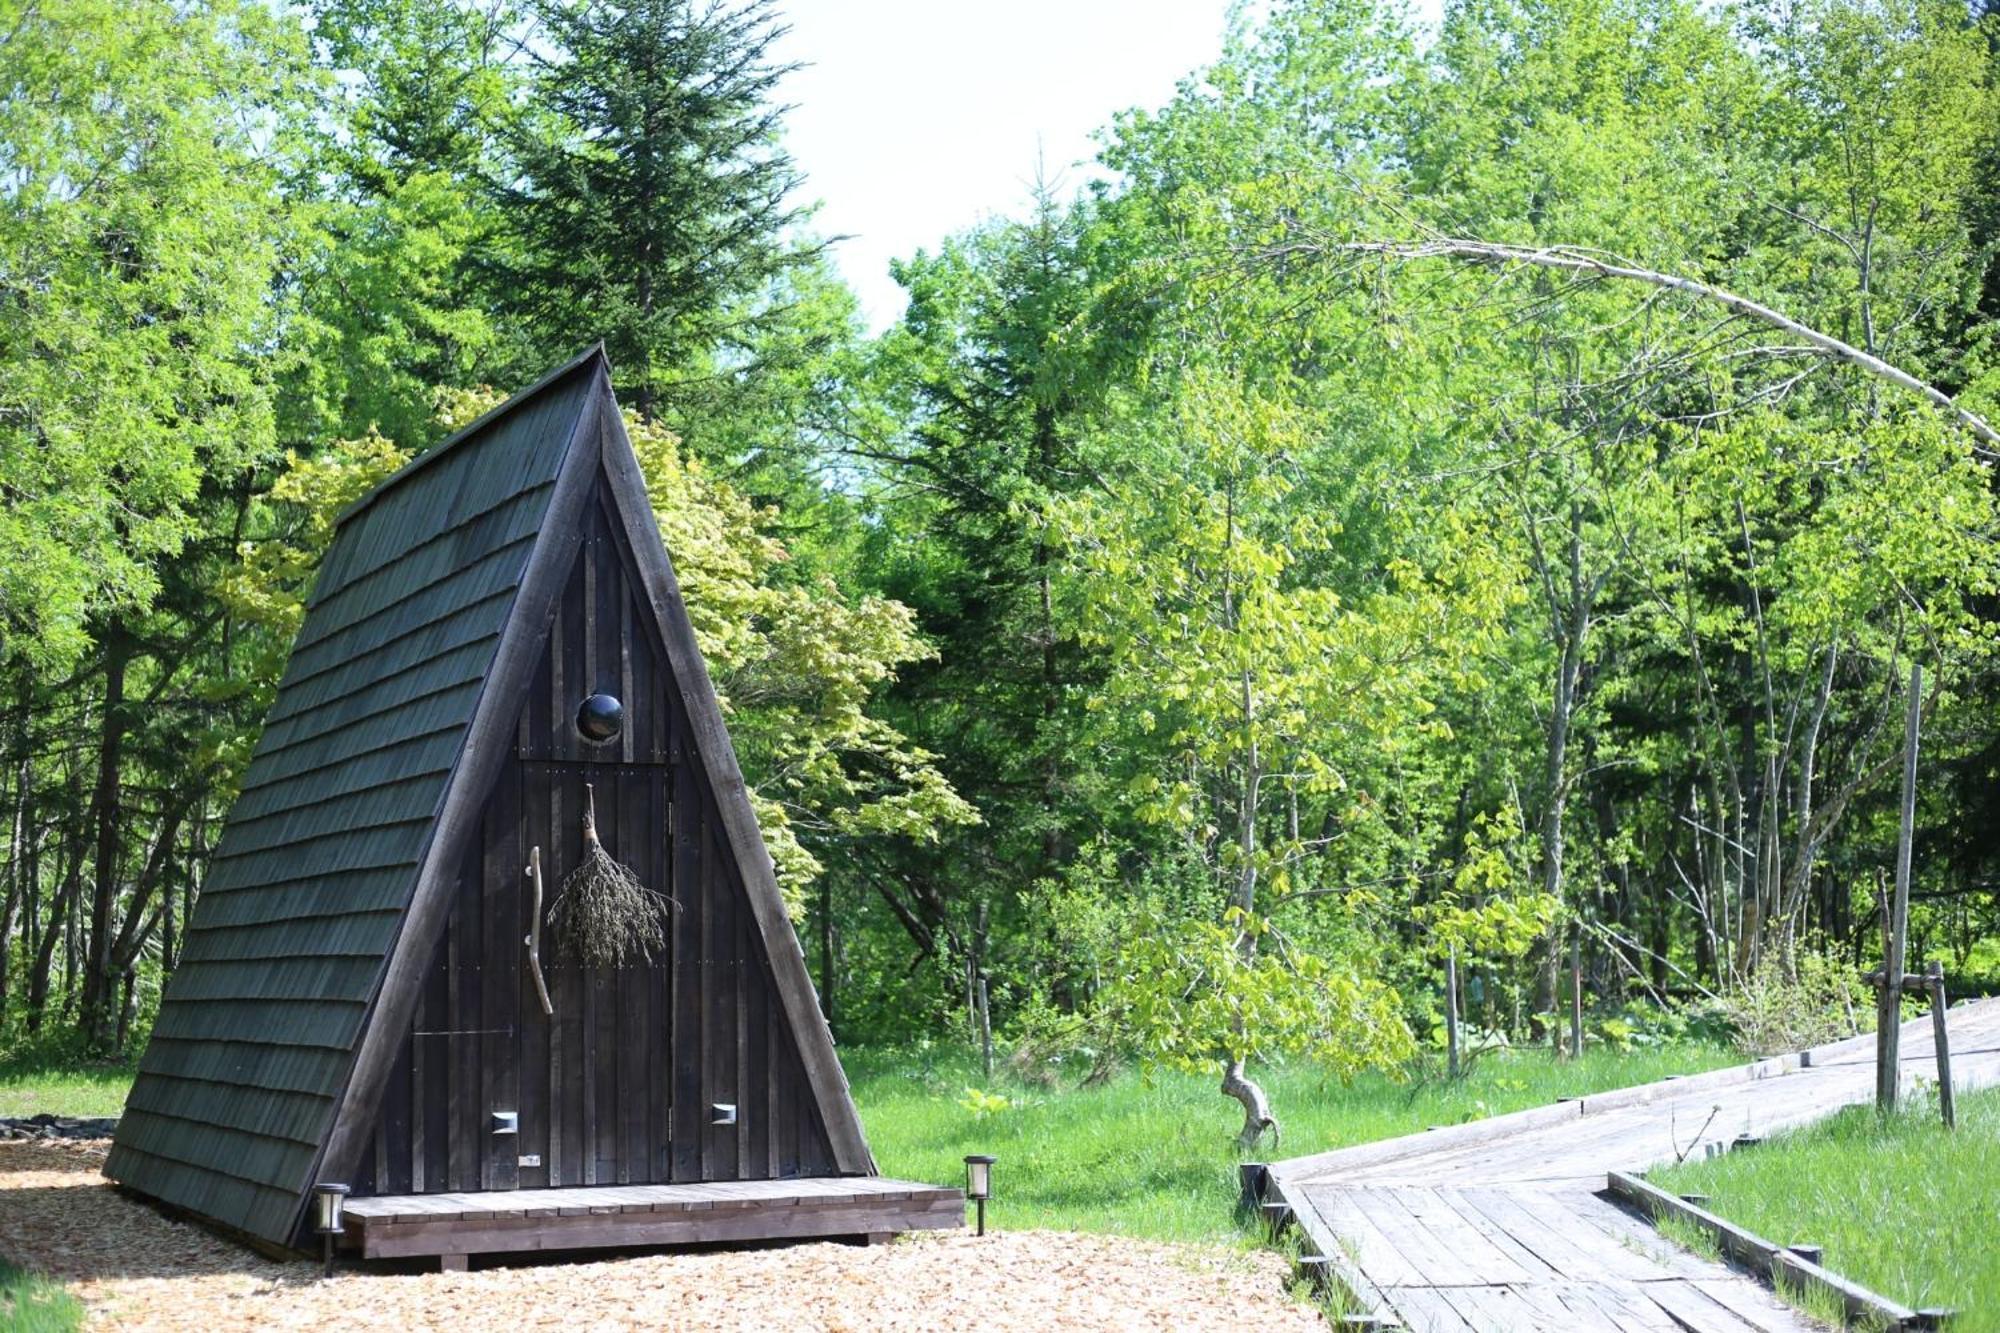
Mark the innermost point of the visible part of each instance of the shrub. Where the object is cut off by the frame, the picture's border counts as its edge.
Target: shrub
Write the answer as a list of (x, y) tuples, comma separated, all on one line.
[(1821, 999)]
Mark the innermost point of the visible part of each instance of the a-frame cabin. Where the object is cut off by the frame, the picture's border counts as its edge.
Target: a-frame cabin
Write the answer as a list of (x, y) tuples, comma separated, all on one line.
[(355, 1004)]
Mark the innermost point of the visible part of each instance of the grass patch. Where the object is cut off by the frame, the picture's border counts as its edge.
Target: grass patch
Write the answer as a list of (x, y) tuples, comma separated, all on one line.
[(34, 1081), (31, 1303), (1904, 1208), (1694, 1239), (1157, 1159)]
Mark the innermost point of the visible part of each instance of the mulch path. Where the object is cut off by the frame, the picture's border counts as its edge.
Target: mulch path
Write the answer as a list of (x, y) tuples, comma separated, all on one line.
[(135, 1268)]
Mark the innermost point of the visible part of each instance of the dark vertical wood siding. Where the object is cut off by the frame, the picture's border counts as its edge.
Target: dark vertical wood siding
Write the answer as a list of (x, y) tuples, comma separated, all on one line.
[(617, 1086)]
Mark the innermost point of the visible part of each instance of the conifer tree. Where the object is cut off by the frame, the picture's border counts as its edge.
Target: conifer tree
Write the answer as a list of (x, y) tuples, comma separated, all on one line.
[(652, 191)]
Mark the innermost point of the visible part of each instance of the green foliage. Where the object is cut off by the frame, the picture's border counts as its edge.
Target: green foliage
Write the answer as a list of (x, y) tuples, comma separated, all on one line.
[(55, 1073), (1195, 625), (31, 1303), (1190, 995), (796, 665), (1818, 1000), (650, 185), (274, 576), (383, 319), (140, 234), (1487, 912), (983, 1104)]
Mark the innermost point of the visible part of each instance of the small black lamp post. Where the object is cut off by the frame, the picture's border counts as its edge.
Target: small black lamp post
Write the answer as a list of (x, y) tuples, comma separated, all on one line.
[(329, 1217), (979, 1184)]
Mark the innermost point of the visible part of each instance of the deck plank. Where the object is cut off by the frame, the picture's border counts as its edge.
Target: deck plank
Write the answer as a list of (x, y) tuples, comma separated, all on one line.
[(1436, 1259), (622, 1198), (1430, 1310), (1693, 1308), (1378, 1258), (412, 1234)]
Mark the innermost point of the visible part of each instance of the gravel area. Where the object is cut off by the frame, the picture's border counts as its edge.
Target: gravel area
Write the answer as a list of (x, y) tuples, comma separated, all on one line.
[(135, 1268)]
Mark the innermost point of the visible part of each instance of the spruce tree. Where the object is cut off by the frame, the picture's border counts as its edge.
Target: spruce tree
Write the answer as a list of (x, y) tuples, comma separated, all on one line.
[(651, 192)]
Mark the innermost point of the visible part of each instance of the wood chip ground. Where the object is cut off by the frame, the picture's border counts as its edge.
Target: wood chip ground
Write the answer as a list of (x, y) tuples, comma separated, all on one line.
[(136, 1269)]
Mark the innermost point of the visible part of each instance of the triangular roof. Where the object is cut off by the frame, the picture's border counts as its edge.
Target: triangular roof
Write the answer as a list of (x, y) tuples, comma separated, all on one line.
[(333, 874)]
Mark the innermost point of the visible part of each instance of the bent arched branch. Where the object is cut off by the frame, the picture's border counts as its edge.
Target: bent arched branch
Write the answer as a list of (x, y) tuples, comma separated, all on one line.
[(1570, 260)]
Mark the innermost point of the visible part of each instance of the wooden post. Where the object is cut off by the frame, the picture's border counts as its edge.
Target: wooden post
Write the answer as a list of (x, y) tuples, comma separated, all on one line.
[(971, 996), (985, 1032), (1253, 1177), (1576, 994), (1947, 1106), (1451, 1012), (1888, 1006)]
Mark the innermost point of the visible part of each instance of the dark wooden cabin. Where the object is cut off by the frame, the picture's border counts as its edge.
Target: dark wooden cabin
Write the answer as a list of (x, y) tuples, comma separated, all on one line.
[(355, 1003)]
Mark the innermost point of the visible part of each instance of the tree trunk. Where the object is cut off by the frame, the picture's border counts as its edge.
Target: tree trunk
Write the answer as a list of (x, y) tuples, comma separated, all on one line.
[(1052, 846), (100, 980), (1257, 1117), (55, 932), (1800, 873), (1572, 624), (21, 868)]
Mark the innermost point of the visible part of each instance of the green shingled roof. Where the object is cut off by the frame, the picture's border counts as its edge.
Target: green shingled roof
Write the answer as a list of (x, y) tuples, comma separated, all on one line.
[(286, 950)]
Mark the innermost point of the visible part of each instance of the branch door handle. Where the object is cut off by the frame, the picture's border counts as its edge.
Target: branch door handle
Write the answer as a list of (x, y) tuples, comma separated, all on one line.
[(534, 939)]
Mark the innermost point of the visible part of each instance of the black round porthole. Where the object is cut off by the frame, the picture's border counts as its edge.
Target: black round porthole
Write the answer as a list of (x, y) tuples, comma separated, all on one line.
[(600, 718)]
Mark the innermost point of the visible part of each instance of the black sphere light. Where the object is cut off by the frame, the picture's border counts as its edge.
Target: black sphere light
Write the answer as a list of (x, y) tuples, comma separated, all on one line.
[(600, 718)]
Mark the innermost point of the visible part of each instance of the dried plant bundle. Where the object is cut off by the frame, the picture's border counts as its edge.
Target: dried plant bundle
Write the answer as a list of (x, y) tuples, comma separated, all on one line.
[(603, 915)]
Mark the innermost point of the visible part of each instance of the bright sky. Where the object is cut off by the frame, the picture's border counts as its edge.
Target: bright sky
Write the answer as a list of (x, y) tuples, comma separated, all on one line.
[(918, 118)]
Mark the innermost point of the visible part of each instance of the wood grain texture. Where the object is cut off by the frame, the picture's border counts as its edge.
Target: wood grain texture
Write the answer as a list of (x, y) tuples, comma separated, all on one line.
[(337, 824), (486, 746), (605, 1227)]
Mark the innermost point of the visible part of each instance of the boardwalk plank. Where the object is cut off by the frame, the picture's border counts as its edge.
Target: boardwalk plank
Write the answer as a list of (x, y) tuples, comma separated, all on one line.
[(1753, 1303), (1525, 1259), (1631, 1308), (1378, 1257), (1694, 1309), (1436, 1257), (1470, 1243), (1429, 1310), (1496, 1307), (1540, 1225)]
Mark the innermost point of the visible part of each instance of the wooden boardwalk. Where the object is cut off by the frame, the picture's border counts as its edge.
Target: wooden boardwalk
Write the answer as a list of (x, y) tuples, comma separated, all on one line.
[(1497, 1225)]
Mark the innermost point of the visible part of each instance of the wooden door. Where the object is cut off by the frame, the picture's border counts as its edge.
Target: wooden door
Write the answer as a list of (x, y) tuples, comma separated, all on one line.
[(595, 1075)]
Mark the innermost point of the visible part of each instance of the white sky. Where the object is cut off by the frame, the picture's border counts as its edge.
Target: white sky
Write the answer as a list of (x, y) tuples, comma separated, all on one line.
[(918, 118)]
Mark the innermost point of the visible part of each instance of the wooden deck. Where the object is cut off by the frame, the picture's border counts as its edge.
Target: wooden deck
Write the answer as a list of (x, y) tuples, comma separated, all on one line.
[(453, 1226), (1497, 1226)]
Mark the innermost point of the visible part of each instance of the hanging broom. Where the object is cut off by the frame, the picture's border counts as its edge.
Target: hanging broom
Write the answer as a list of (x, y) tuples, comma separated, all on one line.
[(602, 914)]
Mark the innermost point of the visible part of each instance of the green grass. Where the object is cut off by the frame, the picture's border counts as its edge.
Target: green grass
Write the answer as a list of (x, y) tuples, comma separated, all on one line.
[(1904, 1208), (31, 1083), (30, 1303), (1158, 1160)]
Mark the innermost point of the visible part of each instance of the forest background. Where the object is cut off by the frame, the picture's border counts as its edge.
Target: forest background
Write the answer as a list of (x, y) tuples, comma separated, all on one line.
[(1223, 595)]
